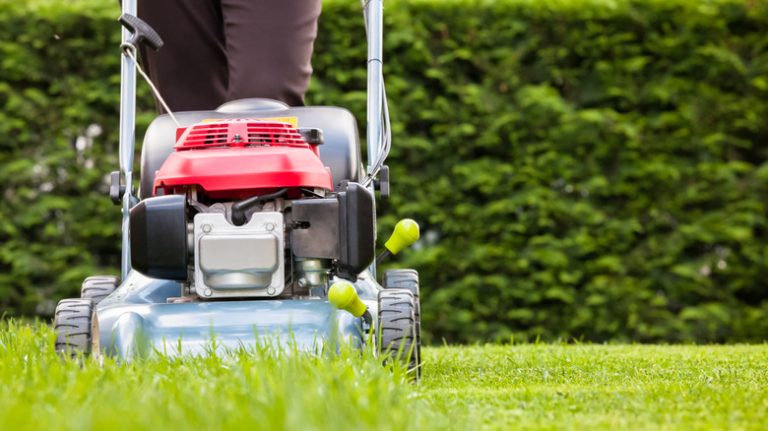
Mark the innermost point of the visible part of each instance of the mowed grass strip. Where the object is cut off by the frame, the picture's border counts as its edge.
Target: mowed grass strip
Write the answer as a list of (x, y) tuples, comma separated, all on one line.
[(602, 387), (476, 387)]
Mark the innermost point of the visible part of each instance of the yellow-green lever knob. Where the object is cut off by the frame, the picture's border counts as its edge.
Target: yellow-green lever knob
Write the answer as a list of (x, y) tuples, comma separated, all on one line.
[(406, 233), (343, 296)]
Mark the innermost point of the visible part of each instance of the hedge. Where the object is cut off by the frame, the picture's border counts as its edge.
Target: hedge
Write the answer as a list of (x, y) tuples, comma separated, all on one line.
[(581, 169)]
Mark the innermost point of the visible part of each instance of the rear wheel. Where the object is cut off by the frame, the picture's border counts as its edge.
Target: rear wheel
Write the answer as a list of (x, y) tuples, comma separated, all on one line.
[(397, 328), (408, 279), (98, 287), (72, 324)]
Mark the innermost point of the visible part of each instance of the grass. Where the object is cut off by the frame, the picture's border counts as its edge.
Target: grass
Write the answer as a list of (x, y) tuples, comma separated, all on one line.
[(597, 387), (493, 387)]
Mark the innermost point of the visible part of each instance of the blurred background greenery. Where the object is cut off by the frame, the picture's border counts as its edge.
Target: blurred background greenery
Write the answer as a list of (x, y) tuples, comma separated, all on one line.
[(590, 169)]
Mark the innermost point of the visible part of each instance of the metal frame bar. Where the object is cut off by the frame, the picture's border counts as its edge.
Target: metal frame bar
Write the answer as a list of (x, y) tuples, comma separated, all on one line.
[(127, 138), (375, 80), (374, 135)]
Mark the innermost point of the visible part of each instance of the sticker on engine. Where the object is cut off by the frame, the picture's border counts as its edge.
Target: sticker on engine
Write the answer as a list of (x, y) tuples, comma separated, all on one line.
[(293, 121)]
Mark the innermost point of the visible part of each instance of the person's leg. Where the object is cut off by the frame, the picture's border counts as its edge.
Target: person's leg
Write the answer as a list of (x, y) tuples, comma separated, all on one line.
[(190, 70), (269, 46)]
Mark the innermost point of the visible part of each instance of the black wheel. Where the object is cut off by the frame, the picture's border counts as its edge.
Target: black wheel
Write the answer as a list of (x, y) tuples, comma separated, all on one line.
[(99, 287), (407, 279), (72, 324), (397, 328)]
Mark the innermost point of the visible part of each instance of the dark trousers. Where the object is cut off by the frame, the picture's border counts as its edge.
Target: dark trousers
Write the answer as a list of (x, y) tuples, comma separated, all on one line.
[(220, 50)]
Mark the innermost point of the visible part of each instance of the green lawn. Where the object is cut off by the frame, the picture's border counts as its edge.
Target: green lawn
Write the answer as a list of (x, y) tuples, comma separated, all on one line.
[(494, 387)]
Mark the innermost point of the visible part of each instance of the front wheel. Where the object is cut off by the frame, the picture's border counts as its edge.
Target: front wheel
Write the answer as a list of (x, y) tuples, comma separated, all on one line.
[(397, 329), (72, 324), (407, 279)]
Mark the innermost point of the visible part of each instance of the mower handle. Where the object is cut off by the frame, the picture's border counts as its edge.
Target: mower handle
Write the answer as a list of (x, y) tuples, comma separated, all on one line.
[(132, 32), (141, 32)]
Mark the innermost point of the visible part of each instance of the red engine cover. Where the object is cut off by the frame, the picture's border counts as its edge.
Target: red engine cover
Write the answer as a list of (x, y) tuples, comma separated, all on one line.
[(239, 158)]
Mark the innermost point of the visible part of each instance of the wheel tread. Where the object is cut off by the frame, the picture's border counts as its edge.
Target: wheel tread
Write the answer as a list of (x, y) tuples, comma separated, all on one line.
[(408, 279), (72, 325), (397, 325), (98, 287)]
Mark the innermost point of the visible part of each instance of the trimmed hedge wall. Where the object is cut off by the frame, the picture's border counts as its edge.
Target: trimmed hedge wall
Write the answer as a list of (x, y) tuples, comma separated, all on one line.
[(584, 168)]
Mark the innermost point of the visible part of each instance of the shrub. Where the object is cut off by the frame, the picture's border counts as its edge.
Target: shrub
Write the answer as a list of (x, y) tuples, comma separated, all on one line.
[(582, 168)]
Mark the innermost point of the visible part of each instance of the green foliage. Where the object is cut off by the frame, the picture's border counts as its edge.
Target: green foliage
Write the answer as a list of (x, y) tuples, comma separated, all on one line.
[(520, 387), (580, 168)]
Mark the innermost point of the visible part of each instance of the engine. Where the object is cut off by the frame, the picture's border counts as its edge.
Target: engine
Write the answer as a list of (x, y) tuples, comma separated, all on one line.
[(245, 208)]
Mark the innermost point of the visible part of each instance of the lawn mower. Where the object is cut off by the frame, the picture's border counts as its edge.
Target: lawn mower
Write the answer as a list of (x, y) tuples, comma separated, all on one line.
[(253, 221)]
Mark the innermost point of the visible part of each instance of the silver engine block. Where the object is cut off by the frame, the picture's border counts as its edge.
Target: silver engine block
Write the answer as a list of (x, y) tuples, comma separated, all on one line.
[(239, 261)]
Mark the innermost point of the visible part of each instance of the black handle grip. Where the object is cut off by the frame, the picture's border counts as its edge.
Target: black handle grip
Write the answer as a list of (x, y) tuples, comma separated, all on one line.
[(142, 32)]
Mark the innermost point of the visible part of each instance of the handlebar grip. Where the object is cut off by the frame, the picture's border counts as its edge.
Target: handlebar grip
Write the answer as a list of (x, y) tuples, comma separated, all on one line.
[(142, 32)]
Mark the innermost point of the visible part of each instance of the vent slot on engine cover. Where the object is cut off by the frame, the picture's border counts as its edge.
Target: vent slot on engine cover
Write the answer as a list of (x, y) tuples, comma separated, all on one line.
[(239, 133)]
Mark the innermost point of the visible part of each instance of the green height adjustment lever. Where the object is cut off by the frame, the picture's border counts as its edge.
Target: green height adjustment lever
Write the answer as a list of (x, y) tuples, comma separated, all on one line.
[(343, 296), (405, 234)]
